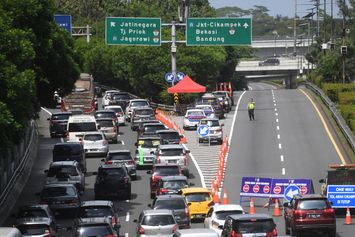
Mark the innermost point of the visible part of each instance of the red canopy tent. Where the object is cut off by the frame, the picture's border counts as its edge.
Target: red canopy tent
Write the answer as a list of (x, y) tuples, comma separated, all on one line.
[(187, 85)]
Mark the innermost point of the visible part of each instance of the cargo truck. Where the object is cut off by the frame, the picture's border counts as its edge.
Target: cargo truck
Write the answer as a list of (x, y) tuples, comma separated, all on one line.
[(338, 174)]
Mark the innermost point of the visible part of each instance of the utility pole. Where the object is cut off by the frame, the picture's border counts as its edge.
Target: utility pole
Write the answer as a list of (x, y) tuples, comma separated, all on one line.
[(324, 21), (317, 6), (332, 23), (295, 31), (173, 50), (344, 34)]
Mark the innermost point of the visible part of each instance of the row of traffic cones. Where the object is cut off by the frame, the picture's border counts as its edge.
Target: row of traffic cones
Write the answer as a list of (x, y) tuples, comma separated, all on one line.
[(277, 211)]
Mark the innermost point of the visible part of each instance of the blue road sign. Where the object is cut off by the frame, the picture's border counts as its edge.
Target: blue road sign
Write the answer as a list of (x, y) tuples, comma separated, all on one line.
[(255, 187), (179, 76), (63, 21), (203, 130), (278, 186), (341, 196), (291, 191), (169, 77)]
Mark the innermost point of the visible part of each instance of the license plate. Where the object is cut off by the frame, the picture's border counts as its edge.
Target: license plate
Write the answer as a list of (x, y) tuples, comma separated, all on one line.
[(58, 202), (314, 216), (172, 161), (148, 158)]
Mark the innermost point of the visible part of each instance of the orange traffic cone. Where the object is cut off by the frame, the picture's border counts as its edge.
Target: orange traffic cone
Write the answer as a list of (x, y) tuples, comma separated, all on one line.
[(277, 208), (225, 198), (348, 220), (216, 198), (251, 206)]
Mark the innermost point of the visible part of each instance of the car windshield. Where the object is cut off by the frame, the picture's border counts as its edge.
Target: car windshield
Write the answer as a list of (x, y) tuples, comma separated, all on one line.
[(147, 143), (171, 204), (210, 123), (206, 108), (175, 184), (316, 204), (166, 170), (108, 114), (32, 213), (139, 103), (95, 211), (144, 112), (158, 220), (58, 191), (222, 215), (93, 137), (60, 116), (105, 123), (170, 135), (120, 97), (119, 156), (116, 109), (172, 152), (195, 113), (65, 169), (100, 230), (32, 229), (82, 127), (63, 150), (197, 197), (254, 226), (112, 172), (154, 128)]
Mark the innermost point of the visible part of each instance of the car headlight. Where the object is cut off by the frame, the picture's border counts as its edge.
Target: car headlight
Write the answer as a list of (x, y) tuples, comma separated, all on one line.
[(226, 102)]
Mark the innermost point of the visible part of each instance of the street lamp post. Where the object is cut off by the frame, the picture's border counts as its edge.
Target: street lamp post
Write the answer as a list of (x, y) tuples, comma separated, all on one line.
[(276, 35)]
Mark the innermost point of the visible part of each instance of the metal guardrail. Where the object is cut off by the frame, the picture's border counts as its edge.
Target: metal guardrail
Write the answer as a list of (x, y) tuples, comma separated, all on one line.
[(336, 115)]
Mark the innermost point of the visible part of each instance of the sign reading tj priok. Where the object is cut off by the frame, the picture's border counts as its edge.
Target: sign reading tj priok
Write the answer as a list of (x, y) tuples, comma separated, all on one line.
[(218, 31), (133, 31)]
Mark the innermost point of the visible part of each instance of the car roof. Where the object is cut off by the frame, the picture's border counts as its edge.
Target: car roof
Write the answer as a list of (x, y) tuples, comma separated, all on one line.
[(66, 162), (133, 100), (169, 197), (119, 151), (158, 212), (310, 196), (192, 110), (61, 113), (143, 108), (110, 91), (228, 207), (92, 133), (112, 106), (153, 124), (195, 190), (171, 146), (97, 203), (104, 119), (210, 119), (59, 185), (174, 177), (148, 137), (165, 165), (104, 111), (110, 165), (258, 216)]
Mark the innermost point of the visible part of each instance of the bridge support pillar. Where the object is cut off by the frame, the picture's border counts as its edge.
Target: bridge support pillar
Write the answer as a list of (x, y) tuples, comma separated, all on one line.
[(291, 82)]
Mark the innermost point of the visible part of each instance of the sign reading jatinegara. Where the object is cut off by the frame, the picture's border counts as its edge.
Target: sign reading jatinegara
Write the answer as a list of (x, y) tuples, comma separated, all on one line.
[(218, 31), (133, 31)]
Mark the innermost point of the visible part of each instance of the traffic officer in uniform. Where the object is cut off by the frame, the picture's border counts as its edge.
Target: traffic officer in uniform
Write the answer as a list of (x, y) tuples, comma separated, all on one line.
[(251, 107)]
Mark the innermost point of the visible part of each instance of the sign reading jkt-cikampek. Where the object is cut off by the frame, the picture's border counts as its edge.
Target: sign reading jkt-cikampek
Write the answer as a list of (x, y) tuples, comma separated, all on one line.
[(133, 31), (218, 31)]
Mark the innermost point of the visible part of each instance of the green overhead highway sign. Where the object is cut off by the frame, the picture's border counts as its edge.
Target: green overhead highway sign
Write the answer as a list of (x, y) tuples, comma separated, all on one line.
[(218, 31), (133, 31)]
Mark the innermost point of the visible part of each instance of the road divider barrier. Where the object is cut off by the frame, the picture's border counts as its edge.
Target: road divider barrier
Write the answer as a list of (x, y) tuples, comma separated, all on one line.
[(168, 121)]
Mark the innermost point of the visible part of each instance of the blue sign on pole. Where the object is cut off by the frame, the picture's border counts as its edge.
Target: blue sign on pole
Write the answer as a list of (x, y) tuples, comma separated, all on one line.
[(180, 76), (203, 130), (169, 77), (63, 21), (291, 191), (341, 196)]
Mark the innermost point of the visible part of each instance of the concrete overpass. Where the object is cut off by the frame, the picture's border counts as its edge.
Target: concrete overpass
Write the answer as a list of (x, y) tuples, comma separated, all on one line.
[(288, 70)]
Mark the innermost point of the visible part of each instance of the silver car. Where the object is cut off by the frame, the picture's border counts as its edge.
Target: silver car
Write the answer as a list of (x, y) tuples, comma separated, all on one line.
[(124, 157), (135, 103), (146, 147), (156, 223), (215, 130), (36, 227), (95, 144)]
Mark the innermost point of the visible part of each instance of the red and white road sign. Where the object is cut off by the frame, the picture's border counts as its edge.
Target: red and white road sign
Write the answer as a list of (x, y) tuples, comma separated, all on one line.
[(303, 189), (256, 188), (266, 189), (246, 188), (277, 189)]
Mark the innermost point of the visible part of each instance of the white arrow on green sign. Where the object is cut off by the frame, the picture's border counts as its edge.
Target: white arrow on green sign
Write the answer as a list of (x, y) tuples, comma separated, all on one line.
[(218, 31), (133, 31)]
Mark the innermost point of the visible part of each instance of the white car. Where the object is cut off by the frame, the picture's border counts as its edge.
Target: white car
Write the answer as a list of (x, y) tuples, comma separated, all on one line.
[(107, 97), (119, 113), (208, 109), (95, 143), (217, 214), (135, 103), (193, 117)]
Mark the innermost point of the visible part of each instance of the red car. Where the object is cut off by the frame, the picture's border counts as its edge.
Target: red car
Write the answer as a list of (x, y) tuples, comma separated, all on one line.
[(309, 212), (161, 170)]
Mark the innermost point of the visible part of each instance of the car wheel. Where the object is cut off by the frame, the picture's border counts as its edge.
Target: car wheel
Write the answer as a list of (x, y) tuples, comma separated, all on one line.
[(293, 232), (332, 233), (287, 229), (186, 173)]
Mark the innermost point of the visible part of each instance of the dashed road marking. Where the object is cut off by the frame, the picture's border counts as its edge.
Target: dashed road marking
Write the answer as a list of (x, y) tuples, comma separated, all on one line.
[(278, 136), (276, 114), (282, 158), (277, 120), (275, 105), (283, 171), (280, 146), (122, 142), (275, 109), (277, 127), (127, 216)]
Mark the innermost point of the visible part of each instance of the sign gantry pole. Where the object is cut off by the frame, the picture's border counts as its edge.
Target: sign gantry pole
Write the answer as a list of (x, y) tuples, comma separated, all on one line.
[(173, 51)]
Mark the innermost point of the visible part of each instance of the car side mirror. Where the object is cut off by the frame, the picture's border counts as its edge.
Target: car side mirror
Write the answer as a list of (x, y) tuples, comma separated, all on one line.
[(191, 184), (181, 136), (149, 172), (152, 152), (189, 203), (45, 171), (220, 227), (287, 204), (98, 126), (150, 205), (321, 181), (135, 220)]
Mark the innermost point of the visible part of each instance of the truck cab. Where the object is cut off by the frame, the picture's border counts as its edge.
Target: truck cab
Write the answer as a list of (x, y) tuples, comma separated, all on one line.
[(338, 174)]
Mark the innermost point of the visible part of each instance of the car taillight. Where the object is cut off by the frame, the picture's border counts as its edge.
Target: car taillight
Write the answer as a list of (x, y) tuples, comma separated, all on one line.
[(233, 234), (174, 229), (328, 212), (141, 230), (113, 221), (299, 214), (131, 162), (110, 236), (163, 190), (187, 211), (274, 232)]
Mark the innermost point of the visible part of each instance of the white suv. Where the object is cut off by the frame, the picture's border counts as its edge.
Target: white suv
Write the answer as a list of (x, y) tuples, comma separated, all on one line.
[(193, 117), (107, 97), (135, 103)]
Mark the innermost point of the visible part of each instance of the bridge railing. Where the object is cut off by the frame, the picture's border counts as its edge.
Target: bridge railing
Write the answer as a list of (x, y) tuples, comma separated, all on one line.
[(336, 115)]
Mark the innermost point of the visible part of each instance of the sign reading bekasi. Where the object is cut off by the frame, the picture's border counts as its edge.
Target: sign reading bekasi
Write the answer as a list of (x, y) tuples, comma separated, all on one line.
[(133, 31), (218, 31), (341, 196)]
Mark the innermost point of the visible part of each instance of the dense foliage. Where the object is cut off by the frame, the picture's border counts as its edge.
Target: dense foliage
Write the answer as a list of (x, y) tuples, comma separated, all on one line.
[(35, 58)]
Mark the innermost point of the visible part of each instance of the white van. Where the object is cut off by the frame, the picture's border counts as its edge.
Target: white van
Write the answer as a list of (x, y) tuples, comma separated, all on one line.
[(80, 124), (9, 232)]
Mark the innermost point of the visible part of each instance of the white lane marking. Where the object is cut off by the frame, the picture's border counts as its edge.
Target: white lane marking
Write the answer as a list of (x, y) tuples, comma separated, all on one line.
[(46, 110), (275, 105), (277, 114), (282, 158), (280, 146), (277, 127), (125, 234), (277, 120), (122, 142), (197, 167), (274, 101), (127, 216), (278, 136), (283, 171), (275, 109)]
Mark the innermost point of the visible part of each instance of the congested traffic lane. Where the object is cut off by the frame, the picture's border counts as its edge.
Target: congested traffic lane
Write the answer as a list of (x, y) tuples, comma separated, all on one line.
[(289, 142), (129, 209)]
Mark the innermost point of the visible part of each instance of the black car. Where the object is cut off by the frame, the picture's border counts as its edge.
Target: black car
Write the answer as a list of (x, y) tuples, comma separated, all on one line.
[(141, 114), (58, 123), (120, 98), (95, 227), (151, 128), (70, 151), (169, 136), (112, 181), (123, 157)]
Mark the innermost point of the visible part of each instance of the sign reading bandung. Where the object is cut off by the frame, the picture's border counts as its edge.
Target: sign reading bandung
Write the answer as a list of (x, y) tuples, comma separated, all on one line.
[(133, 31), (218, 31), (341, 196)]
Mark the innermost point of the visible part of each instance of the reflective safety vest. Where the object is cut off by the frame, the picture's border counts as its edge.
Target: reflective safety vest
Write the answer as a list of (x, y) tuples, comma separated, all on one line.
[(251, 105)]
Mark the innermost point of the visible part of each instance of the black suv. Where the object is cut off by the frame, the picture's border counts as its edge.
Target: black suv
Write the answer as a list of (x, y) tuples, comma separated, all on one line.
[(58, 123), (245, 224), (309, 212), (270, 62), (112, 180), (120, 98)]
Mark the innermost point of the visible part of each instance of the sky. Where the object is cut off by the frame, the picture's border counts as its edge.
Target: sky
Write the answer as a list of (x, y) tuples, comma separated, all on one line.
[(276, 7)]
